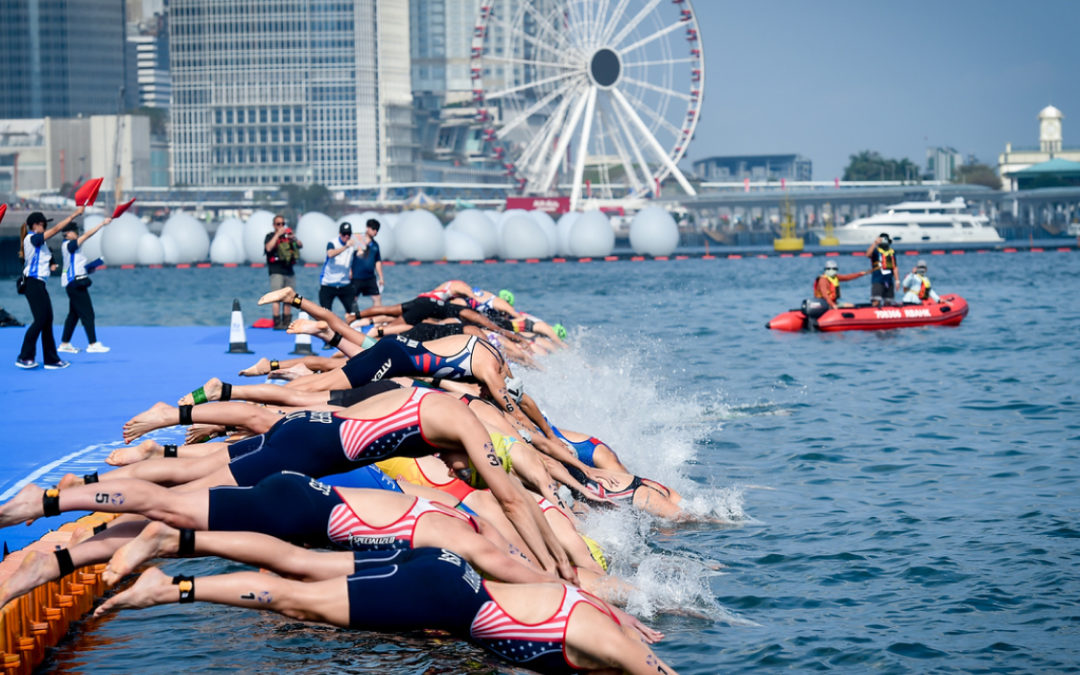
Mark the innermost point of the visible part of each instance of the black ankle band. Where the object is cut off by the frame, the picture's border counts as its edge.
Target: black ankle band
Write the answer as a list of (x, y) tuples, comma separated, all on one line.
[(170, 450), (50, 502), (98, 529), (187, 587), (185, 415), (334, 341), (90, 478), (226, 391), (63, 559), (275, 364), (229, 429), (187, 542), (295, 302)]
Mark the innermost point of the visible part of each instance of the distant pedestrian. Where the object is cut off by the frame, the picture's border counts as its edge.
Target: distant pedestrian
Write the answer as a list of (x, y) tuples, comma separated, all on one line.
[(37, 264), (335, 280), (76, 281), (282, 252), (367, 272)]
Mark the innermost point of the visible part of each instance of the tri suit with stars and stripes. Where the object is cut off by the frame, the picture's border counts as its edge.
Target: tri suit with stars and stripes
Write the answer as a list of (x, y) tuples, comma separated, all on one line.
[(320, 443)]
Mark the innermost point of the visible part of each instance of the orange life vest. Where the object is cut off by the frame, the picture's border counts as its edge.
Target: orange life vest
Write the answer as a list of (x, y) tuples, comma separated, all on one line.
[(835, 284)]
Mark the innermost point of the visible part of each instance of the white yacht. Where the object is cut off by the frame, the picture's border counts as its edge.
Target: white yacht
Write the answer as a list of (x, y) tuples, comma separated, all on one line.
[(921, 223)]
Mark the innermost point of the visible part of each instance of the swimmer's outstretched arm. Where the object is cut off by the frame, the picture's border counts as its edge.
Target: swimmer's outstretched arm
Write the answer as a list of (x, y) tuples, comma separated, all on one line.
[(454, 427), (594, 641)]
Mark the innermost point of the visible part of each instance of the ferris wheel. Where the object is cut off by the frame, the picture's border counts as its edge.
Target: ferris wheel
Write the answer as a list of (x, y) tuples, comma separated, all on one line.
[(608, 87)]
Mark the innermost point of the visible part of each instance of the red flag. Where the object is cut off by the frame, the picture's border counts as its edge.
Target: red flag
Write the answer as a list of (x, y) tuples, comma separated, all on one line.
[(783, 183), (93, 195), (836, 182), (588, 187), (746, 185), (3, 210), (120, 208), (83, 194)]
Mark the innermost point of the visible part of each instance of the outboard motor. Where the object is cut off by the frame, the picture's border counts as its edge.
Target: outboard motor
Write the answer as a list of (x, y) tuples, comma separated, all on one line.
[(813, 308)]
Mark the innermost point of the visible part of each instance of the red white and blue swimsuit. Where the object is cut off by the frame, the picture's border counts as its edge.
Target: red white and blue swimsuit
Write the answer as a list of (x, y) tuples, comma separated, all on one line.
[(393, 356), (348, 530), (319, 443)]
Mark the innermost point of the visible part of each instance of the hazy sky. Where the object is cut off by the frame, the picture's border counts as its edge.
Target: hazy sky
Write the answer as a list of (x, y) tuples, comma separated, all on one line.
[(828, 78)]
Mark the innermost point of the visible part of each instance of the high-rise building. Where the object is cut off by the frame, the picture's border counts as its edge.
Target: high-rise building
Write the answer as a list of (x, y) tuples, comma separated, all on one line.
[(284, 92), (61, 59), (942, 163)]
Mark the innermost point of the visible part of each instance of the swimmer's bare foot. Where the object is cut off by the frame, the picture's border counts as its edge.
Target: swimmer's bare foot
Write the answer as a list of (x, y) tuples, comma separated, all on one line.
[(308, 326), (198, 433), (23, 507), (157, 416), (155, 541), (211, 391), (35, 569), (280, 295), (79, 534), (70, 480), (151, 588), (145, 450), (261, 367)]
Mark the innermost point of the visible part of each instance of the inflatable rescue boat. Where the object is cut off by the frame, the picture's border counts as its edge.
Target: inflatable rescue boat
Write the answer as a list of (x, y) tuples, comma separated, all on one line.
[(815, 315)]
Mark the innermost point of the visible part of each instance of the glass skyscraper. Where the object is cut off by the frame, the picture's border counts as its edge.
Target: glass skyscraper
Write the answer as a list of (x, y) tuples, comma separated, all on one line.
[(61, 59), (279, 91)]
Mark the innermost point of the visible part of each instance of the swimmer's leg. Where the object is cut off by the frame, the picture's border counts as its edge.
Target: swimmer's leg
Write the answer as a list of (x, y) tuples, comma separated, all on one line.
[(325, 601), (272, 393), (39, 568), (237, 414), (173, 471), (158, 540), (326, 381), (177, 508)]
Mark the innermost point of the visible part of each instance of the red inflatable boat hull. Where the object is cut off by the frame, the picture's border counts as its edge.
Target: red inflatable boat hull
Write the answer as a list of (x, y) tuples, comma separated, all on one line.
[(949, 312)]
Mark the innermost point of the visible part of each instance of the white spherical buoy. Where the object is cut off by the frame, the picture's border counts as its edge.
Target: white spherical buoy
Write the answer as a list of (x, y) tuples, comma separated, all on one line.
[(91, 248), (189, 235), (259, 224), (170, 250), (522, 238), (547, 224), (591, 236), (315, 230), (150, 249), (234, 229), (460, 246), (478, 227), (225, 249), (653, 232), (562, 229), (120, 244), (419, 236)]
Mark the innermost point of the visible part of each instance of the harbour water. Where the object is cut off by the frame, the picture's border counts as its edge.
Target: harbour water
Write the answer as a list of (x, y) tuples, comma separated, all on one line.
[(893, 501)]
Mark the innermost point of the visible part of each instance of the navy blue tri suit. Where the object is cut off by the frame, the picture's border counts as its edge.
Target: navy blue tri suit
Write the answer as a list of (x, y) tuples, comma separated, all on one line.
[(320, 443), (436, 589), (397, 355)]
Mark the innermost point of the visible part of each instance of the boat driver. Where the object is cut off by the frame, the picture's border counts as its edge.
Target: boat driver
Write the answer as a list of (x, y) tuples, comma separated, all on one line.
[(884, 274), (827, 285)]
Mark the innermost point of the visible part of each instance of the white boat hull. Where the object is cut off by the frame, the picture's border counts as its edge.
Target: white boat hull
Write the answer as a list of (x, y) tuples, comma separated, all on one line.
[(863, 232)]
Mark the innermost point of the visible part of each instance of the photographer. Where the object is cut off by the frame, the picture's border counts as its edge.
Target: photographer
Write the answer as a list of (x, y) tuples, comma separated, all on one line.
[(282, 252)]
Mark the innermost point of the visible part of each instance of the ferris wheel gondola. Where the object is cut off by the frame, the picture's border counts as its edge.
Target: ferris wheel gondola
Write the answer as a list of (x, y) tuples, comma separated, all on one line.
[(612, 87)]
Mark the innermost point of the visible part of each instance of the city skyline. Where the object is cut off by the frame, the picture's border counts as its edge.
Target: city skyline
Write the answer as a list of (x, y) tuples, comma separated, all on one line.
[(828, 80)]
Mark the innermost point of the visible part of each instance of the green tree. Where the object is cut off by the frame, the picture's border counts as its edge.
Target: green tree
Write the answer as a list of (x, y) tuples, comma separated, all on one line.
[(977, 174), (304, 198), (870, 165)]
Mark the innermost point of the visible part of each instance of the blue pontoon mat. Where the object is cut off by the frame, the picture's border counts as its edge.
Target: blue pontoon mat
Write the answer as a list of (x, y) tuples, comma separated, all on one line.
[(60, 421)]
